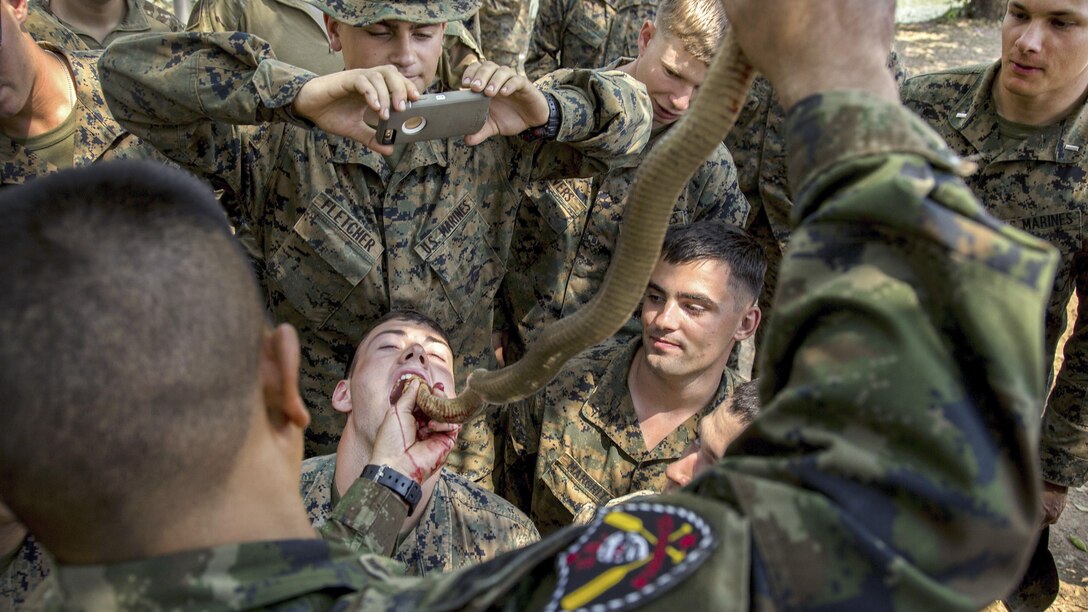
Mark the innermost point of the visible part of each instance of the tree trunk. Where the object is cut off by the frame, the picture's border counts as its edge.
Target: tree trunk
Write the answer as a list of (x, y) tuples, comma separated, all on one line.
[(985, 9)]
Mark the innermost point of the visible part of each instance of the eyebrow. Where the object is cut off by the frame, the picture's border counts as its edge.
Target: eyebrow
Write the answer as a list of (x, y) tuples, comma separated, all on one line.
[(402, 333), (697, 297), (1064, 13)]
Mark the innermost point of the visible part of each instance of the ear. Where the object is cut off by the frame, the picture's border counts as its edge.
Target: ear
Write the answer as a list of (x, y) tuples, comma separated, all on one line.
[(333, 28), (341, 397), (279, 378), (748, 323), (20, 8), (645, 35)]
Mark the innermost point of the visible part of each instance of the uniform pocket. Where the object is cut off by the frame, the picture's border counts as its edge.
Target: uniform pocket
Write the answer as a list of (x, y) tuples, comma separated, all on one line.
[(326, 254), (460, 255)]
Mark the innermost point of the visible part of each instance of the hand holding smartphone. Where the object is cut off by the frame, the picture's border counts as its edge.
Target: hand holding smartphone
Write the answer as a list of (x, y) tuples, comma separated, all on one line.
[(433, 116)]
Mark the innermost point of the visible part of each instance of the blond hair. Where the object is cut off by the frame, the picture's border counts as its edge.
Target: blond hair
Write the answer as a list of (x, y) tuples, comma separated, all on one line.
[(699, 25)]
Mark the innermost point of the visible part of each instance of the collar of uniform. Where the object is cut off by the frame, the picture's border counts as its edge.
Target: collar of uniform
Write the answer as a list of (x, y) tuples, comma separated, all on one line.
[(135, 19), (974, 116), (609, 407), (235, 576), (605, 407)]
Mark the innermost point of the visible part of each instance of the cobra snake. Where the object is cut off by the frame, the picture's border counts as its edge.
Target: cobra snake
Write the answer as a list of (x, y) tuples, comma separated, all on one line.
[(658, 184)]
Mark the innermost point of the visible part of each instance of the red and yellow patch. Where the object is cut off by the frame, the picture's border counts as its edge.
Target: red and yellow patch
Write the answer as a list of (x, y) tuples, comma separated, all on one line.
[(630, 554)]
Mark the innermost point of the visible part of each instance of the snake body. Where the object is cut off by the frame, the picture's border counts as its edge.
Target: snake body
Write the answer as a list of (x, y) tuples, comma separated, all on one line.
[(658, 184)]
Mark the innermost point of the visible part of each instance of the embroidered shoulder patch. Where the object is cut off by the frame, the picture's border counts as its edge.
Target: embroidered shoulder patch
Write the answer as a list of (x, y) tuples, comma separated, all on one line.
[(630, 554)]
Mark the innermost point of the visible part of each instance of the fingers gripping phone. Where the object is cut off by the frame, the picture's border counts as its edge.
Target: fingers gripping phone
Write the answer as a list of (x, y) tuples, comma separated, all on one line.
[(453, 113)]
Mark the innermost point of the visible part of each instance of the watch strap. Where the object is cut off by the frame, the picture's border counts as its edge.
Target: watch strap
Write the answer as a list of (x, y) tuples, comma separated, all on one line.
[(405, 488), (550, 129)]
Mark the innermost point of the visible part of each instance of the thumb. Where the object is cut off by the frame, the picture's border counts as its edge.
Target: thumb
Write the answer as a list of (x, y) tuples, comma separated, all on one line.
[(490, 128)]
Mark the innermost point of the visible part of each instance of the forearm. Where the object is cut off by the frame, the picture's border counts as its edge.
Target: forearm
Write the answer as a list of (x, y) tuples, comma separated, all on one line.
[(155, 84), (905, 368), (367, 519), (606, 120)]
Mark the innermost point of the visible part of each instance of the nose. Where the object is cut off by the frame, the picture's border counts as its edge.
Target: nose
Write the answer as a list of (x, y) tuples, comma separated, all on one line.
[(403, 55), (680, 471), (1030, 40), (667, 316), (682, 99), (414, 353)]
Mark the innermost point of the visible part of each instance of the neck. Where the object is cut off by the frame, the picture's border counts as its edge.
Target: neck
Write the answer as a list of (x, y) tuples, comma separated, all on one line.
[(257, 501), (654, 393), (50, 101), (95, 17), (1041, 110), (352, 455)]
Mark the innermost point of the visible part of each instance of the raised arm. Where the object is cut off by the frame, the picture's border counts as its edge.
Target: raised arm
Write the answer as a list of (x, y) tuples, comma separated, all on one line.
[(198, 98)]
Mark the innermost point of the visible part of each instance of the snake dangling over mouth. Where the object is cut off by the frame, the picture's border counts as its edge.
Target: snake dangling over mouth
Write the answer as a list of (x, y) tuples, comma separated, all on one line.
[(660, 180)]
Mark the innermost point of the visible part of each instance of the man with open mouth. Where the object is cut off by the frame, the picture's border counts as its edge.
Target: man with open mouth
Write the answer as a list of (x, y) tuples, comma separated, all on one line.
[(451, 523)]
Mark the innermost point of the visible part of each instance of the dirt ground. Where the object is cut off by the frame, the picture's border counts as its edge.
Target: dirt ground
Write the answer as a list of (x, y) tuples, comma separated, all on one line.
[(936, 45)]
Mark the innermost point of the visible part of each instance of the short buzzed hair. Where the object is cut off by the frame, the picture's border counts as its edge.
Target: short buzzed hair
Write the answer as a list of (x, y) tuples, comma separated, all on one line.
[(132, 329), (408, 316), (744, 402), (720, 241), (699, 25)]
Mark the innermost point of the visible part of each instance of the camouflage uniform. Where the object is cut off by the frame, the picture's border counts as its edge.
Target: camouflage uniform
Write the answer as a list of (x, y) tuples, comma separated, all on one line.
[(141, 16), (29, 570), (585, 33), (295, 29), (567, 231), (580, 441), (758, 146), (504, 30), (463, 524), (97, 137), (1039, 185), (892, 468), (345, 236)]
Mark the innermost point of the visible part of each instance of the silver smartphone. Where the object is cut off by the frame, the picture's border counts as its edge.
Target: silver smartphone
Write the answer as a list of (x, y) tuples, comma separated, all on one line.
[(453, 113)]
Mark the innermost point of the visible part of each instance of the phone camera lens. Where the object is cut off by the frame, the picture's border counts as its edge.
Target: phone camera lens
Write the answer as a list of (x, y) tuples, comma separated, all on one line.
[(412, 125)]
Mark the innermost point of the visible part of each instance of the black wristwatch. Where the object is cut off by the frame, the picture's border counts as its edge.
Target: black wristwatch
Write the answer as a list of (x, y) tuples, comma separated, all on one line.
[(550, 130), (407, 489)]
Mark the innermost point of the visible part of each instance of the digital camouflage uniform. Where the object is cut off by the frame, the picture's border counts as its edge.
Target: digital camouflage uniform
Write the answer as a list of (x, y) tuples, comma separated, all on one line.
[(295, 29), (345, 237), (758, 146), (141, 17), (504, 30), (580, 442), (1039, 185), (585, 33), (29, 570), (463, 524), (97, 137), (567, 231), (893, 466)]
